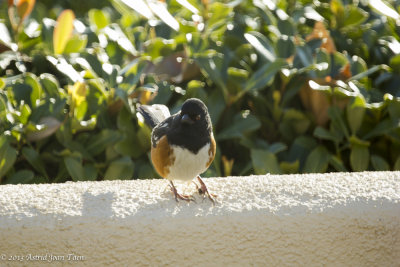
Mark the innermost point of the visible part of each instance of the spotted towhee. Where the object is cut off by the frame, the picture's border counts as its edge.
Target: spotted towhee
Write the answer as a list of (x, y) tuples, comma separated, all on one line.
[(182, 145)]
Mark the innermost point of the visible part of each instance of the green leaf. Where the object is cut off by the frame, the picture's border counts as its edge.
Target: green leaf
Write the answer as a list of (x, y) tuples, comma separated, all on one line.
[(90, 172), (241, 124), (94, 63), (396, 166), (214, 66), (50, 85), (21, 177), (354, 16), (296, 121), (379, 163), (286, 47), (2, 83), (382, 128), (129, 146), (394, 108), (74, 167), (33, 82), (290, 167), (80, 110), (33, 157), (355, 113), (25, 113), (100, 141), (337, 164), (359, 157), (121, 168), (369, 72), (264, 76), (8, 155), (394, 63), (336, 116), (22, 92), (301, 148), (264, 162), (277, 147), (216, 105), (218, 20), (98, 18), (317, 161), (323, 133)]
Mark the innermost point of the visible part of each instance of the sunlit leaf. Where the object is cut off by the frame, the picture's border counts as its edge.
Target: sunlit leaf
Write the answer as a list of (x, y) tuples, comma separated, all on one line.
[(139, 6), (160, 9), (383, 8), (98, 18), (63, 30), (75, 44), (24, 8), (261, 44), (188, 5), (5, 35)]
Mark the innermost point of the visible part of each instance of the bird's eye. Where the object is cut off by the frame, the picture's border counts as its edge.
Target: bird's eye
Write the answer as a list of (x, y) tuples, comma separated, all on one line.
[(197, 117)]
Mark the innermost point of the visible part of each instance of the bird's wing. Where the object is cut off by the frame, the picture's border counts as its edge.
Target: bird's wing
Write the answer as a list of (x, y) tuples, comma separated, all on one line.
[(162, 129), (154, 114)]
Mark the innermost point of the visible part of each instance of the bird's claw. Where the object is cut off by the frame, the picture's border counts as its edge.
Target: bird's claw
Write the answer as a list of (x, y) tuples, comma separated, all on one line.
[(204, 191), (179, 196)]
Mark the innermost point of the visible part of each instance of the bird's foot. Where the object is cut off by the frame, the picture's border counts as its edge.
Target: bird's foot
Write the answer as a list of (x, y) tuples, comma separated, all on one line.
[(204, 191), (180, 196)]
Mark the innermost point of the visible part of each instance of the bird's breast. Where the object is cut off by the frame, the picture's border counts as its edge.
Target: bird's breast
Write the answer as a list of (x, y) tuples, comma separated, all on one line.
[(187, 165)]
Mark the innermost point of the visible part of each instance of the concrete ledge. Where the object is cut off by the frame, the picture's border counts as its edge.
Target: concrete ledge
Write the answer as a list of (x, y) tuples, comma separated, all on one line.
[(338, 219)]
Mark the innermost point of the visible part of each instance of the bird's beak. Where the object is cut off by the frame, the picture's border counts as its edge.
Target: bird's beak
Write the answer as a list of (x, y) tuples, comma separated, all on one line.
[(186, 119)]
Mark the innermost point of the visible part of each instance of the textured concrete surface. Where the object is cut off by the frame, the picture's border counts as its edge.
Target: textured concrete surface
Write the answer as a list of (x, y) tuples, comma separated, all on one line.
[(340, 219)]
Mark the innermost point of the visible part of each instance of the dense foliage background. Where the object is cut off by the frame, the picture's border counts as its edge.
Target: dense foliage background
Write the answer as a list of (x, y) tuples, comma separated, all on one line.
[(292, 86)]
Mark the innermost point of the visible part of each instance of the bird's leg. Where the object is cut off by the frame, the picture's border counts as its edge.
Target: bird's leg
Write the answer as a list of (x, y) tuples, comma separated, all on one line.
[(179, 196), (204, 191)]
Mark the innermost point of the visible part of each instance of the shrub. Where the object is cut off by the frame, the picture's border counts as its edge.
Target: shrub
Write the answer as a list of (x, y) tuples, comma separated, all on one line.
[(292, 86)]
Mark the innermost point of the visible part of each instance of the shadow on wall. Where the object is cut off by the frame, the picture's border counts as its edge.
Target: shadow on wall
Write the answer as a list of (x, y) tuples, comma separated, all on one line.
[(98, 206)]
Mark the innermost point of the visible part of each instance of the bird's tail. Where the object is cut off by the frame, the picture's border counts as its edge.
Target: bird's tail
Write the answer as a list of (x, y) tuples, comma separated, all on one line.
[(153, 114)]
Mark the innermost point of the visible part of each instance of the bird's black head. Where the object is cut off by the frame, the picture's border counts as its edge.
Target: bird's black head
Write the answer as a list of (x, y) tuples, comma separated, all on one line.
[(192, 127), (194, 113)]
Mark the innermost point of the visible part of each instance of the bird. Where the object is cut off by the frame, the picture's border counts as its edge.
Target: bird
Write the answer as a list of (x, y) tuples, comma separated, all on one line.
[(182, 144)]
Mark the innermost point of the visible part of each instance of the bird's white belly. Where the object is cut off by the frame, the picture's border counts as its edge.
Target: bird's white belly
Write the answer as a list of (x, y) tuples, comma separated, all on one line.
[(188, 165)]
